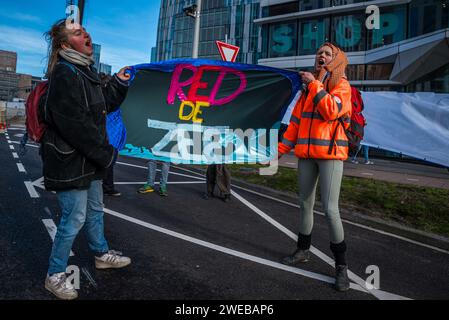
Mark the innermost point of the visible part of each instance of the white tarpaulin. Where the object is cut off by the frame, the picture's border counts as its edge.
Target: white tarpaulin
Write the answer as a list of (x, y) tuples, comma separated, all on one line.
[(414, 124)]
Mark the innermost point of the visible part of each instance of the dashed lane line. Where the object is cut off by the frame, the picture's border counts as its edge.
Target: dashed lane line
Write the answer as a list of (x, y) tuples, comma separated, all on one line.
[(31, 190), (20, 167)]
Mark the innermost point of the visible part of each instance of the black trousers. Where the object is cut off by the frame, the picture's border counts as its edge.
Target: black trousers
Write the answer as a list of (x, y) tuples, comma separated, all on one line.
[(218, 175), (108, 181)]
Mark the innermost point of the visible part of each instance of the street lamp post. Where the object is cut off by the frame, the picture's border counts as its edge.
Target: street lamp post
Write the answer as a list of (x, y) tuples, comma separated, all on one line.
[(81, 10), (196, 35)]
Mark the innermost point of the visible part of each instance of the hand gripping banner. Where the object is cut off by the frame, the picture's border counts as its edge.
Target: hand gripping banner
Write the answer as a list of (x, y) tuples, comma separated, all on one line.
[(203, 112)]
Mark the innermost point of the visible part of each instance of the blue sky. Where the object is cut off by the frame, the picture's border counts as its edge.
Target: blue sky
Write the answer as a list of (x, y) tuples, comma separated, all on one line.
[(126, 30)]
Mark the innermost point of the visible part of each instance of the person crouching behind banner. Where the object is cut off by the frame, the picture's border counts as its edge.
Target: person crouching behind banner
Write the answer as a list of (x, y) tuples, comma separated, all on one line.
[(218, 175), (75, 149), (318, 137)]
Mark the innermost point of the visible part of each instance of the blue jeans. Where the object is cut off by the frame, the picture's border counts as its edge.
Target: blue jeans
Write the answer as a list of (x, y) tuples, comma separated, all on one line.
[(152, 164), (365, 152), (78, 207)]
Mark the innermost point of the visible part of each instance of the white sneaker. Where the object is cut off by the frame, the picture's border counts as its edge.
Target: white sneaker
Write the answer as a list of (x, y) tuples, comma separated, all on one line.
[(112, 259), (368, 162), (354, 161), (60, 287)]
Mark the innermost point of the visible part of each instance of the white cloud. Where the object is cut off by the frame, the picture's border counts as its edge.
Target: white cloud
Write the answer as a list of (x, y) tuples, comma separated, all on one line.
[(21, 17), (120, 57), (22, 40), (30, 46)]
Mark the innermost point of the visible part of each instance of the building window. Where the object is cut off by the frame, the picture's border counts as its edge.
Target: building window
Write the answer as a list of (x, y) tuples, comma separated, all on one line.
[(436, 81), (428, 16), (305, 5), (349, 32), (392, 28), (283, 40), (344, 2), (355, 72), (279, 9), (313, 33), (378, 71)]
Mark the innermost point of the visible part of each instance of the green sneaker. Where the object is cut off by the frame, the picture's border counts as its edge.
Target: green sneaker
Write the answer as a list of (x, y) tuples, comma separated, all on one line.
[(163, 191), (146, 188)]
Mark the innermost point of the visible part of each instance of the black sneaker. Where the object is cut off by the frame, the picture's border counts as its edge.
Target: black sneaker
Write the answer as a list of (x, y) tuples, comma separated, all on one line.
[(341, 278), (112, 193), (299, 256)]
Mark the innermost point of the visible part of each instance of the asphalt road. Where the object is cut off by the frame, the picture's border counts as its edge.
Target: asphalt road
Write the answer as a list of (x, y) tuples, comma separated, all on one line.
[(184, 247)]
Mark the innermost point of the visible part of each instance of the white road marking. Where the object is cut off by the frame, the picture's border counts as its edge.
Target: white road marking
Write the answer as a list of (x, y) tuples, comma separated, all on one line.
[(291, 163), (348, 222), (9, 141), (225, 250), (11, 147), (15, 155), (170, 172), (33, 193), (20, 167), (187, 170), (28, 144), (318, 212), (51, 229), (367, 174), (382, 295), (157, 182), (39, 183), (415, 180)]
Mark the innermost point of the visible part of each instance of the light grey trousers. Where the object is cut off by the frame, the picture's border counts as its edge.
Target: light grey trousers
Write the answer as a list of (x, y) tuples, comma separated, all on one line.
[(330, 173)]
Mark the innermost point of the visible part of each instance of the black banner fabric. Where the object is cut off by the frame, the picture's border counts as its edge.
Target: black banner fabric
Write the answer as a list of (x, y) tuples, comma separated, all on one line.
[(203, 112)]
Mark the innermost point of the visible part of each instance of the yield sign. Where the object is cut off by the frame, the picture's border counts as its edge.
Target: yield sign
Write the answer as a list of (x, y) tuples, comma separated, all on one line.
[(228, 52)]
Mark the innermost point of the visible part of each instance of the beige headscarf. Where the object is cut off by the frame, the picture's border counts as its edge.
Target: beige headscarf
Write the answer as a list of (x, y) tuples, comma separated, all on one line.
[(336, 67)]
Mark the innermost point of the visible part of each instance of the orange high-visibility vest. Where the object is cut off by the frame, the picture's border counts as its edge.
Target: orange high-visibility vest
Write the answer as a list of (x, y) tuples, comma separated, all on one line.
[(316, 125)]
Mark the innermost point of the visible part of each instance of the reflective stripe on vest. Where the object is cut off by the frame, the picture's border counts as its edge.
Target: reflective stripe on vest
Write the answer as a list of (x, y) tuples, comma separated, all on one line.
[(294, 119), (312, 115), (288, 143), (322, 142), (319, 96)]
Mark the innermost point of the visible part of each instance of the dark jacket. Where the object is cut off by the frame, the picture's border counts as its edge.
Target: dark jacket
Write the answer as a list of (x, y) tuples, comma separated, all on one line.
[(75, 149)]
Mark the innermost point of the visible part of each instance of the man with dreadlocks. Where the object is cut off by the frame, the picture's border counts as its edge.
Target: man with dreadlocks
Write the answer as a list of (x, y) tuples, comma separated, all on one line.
[(317, 134)]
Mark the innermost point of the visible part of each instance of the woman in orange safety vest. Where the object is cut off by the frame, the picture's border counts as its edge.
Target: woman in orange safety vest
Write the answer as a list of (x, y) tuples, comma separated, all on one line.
[(317, 134)]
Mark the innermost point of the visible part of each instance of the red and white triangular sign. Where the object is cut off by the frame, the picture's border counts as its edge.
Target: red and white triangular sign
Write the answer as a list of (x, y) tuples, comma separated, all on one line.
[(228, 52)]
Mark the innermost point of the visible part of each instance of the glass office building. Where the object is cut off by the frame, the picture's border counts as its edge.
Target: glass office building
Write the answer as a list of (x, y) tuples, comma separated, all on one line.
[(96, 55), (409, 52), (220, 19)]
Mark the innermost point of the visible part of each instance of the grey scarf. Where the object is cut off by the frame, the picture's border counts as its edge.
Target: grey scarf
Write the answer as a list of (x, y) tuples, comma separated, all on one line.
[(76, 57)]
